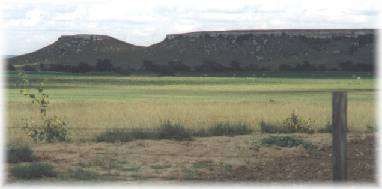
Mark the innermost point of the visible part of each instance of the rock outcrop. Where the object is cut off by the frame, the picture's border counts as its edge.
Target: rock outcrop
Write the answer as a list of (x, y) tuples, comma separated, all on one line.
[(246, 48)]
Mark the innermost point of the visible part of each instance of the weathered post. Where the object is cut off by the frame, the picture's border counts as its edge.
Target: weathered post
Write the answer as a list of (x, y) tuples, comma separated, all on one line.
[(339, 126)]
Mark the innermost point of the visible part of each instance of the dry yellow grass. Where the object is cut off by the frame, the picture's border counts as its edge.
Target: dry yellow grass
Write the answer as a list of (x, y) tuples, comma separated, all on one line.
[(90, 118), (92, 104)]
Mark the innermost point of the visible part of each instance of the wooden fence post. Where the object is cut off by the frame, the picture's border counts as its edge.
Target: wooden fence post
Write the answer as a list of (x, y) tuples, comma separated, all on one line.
[(339, 129)]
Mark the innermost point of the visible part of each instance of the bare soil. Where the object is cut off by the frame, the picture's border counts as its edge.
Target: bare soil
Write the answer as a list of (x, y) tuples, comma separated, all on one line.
[(231, 159)]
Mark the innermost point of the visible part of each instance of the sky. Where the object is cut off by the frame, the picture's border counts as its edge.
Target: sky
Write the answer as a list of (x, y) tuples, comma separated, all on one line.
[(29, 25)]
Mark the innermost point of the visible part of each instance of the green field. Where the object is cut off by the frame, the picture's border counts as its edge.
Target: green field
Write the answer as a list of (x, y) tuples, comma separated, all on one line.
[(93, 103)]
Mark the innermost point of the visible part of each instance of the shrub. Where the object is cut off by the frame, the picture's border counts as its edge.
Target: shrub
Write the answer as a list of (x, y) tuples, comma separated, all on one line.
[(200, 133), (168, 130), (28, 68), (292, 124), (166, 166), (82, 174), (229, 129), (113, 135), (172, 131), (33, 170), (84, 67), (52, 129), (201, 164), (141, 133), (104, 65), (125, 135), (19, 153), (268, 128), (290, 141), (296, 124), (285, 141)]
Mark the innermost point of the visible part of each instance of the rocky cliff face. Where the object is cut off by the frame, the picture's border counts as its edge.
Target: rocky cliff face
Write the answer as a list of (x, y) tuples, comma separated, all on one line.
[(248, 48), (267, 48)]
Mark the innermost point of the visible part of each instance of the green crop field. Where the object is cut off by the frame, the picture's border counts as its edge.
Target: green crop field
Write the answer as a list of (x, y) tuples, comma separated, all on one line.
[(92, 104)]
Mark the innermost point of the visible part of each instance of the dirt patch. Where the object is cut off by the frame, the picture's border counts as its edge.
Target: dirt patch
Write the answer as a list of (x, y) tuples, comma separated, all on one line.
[(302, 166), (237, 158)]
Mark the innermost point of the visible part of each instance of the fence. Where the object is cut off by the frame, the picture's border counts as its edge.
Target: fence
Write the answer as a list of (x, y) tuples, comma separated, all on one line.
[(339, 139)]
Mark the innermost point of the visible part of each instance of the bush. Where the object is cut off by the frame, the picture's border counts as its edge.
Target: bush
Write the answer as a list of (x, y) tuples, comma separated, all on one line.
[(285, 141), (268, 128), (114, 135), (19, 153), (176, 131), (229, 129), (33, 170), (28, 68), (104, 65), (125, 135), (282, 141), (166, 130), (290, 141), (293, 124), (82, 174), (296, 124), (172, 131), (52, 129), (200, 133)]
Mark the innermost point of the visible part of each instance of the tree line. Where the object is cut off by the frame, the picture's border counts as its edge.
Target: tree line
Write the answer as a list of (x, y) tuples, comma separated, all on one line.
[(207, 66), (347, 66), (102, 65)]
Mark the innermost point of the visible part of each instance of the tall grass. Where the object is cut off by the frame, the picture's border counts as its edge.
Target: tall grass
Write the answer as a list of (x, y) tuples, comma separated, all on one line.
[(166, 130), (229, 129), (33, 170), (19, 153), (172, 131)]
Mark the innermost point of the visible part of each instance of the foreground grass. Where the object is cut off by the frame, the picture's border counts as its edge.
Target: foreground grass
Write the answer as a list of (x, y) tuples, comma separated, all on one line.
[(94, 105)]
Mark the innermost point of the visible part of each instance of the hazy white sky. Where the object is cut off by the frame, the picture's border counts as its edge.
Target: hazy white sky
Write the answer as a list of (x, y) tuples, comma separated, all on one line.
[(30, 25)]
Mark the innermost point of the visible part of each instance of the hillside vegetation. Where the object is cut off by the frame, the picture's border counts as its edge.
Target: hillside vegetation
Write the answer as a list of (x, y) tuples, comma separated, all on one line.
[(235, 52)]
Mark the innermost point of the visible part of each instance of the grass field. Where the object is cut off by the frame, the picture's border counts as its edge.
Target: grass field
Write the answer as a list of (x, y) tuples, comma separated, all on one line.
[(93, 103)]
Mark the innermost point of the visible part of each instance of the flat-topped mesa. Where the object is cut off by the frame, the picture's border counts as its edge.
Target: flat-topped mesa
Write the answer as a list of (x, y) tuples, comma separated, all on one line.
[(311, 33), (85, 37), (219, 51)]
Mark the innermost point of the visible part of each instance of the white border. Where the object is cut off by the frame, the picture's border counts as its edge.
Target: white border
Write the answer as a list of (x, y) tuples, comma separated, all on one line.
[(187, 185)]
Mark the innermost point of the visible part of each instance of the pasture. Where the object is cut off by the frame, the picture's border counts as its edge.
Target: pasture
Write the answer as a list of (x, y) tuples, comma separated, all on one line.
[(93, 104)]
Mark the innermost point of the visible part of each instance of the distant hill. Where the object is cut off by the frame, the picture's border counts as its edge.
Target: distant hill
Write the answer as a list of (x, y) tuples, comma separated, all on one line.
[(217, 51), (73, 49)]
